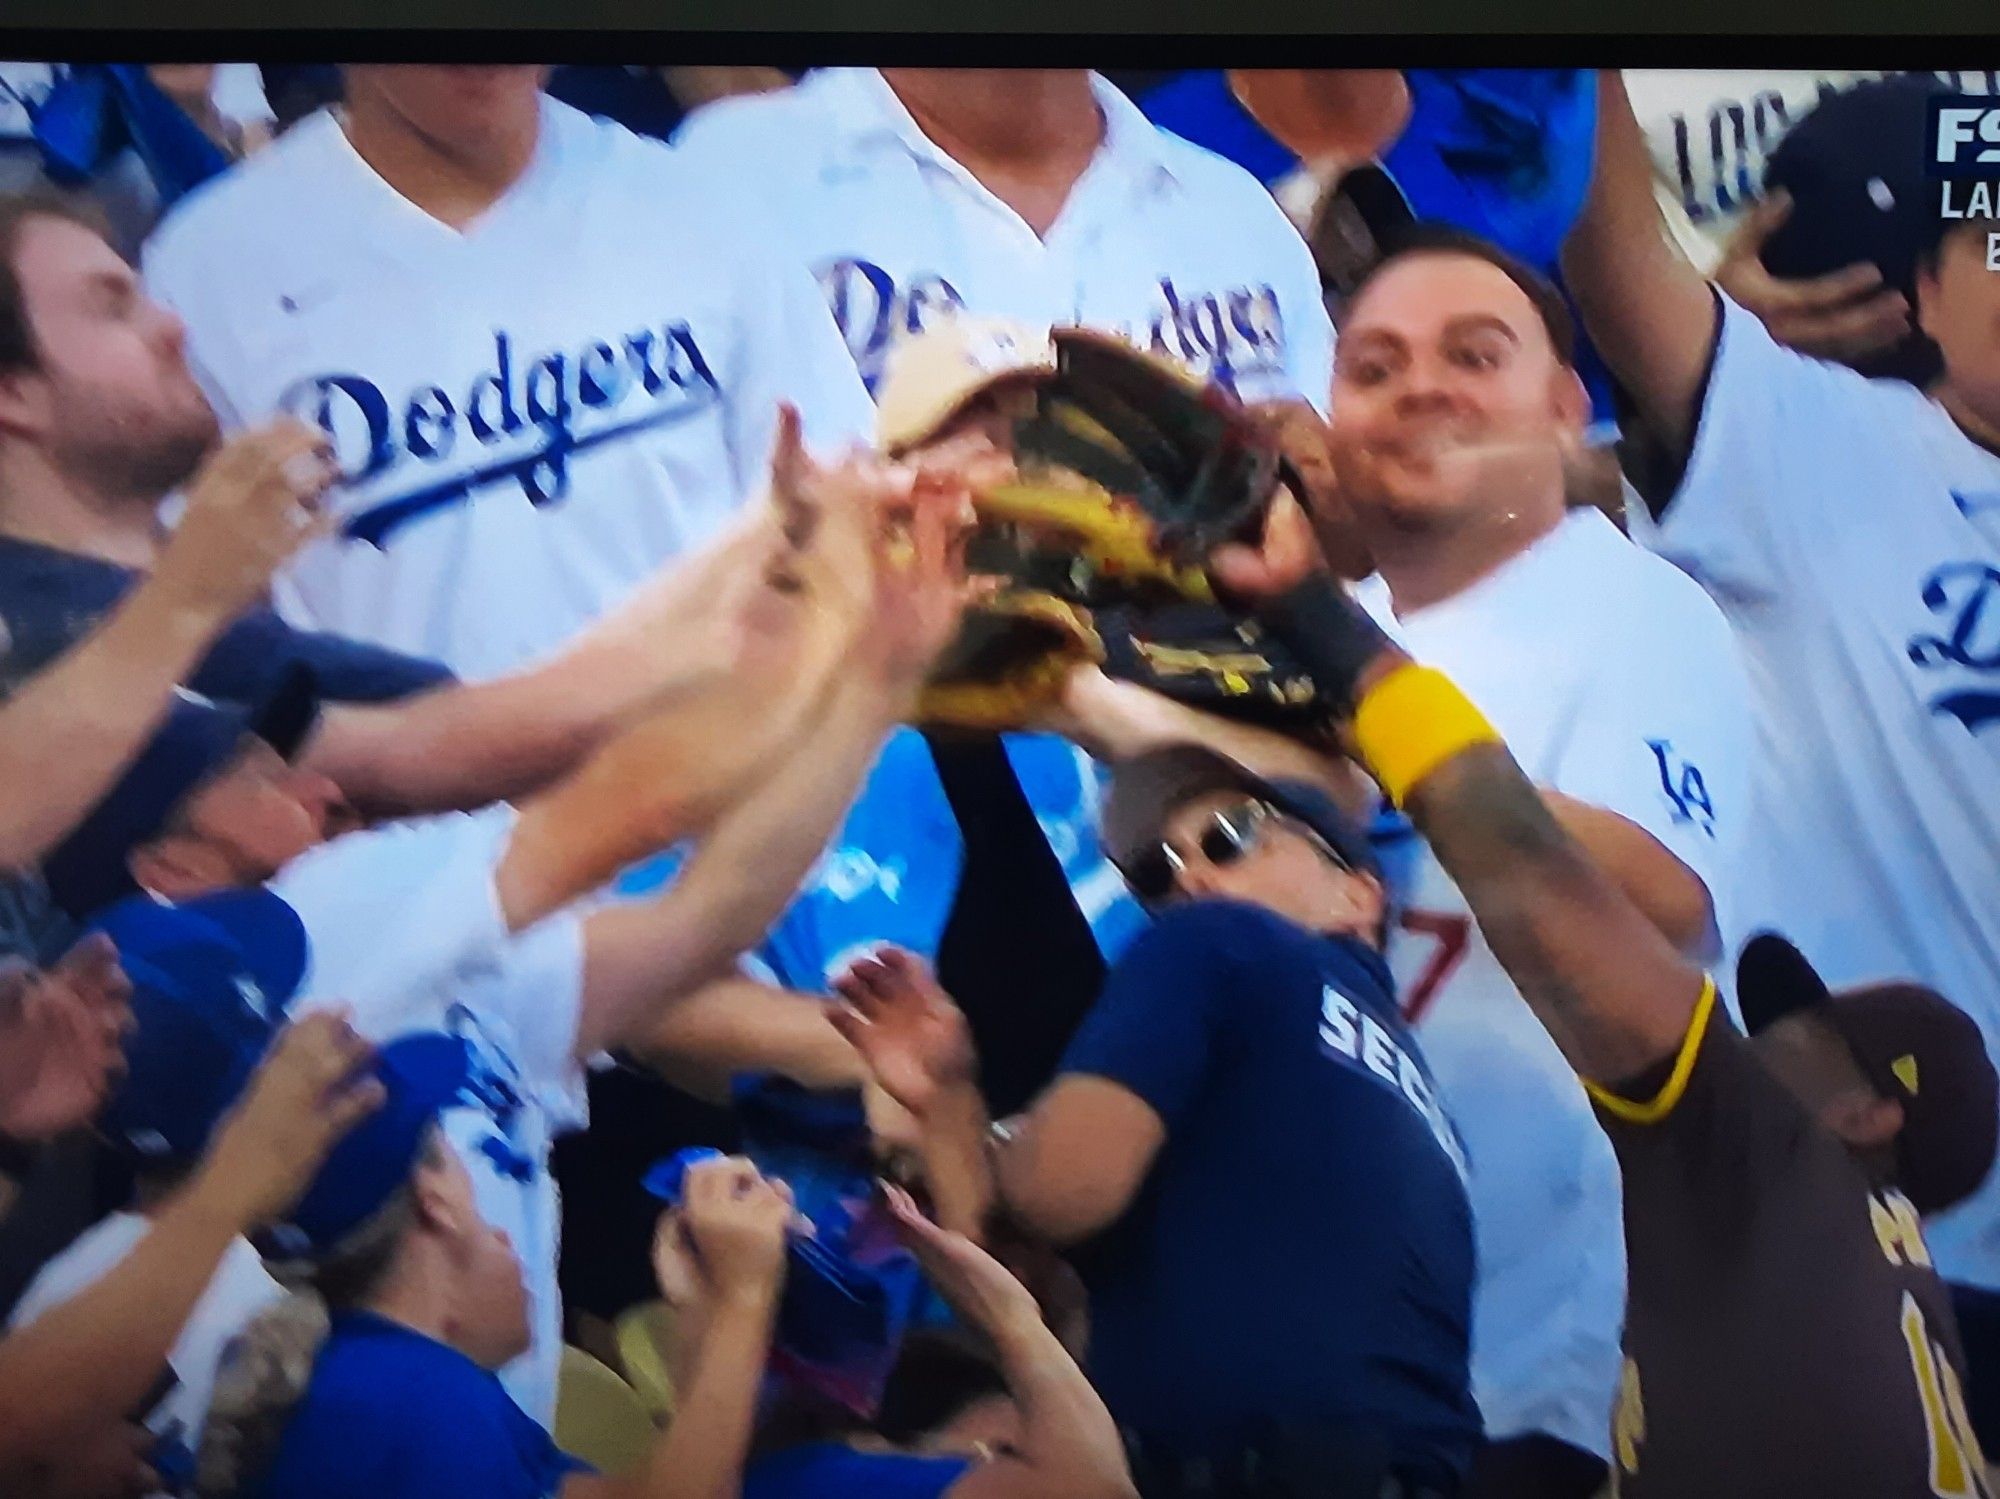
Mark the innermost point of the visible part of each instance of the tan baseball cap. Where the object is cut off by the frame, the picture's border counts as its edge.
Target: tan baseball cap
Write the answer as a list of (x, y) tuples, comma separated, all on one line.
[(932, 376)]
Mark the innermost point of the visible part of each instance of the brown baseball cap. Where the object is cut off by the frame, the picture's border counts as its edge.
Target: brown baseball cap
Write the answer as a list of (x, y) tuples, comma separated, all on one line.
[(1912, 1045)]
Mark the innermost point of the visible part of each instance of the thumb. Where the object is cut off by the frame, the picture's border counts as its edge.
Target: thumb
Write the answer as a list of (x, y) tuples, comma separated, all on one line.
[(789, 469)]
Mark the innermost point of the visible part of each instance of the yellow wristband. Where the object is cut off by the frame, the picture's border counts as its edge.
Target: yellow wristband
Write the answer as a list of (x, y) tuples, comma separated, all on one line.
[(1411, 722)]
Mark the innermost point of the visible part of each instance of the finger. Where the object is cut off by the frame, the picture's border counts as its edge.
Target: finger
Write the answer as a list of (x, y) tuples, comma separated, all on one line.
[(88, 959), (790, 474), (1874, 325), (352, 1105), (850, 1022), (1759, 224), (1831, 292)]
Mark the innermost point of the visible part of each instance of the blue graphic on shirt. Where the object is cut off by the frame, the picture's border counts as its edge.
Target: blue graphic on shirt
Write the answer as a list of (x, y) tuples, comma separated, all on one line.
[(528, 409), (1968, 594), (493, 1089)]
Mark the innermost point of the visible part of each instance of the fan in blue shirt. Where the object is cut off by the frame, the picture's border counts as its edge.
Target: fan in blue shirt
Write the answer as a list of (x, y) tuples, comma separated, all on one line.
[(1247, 1144)]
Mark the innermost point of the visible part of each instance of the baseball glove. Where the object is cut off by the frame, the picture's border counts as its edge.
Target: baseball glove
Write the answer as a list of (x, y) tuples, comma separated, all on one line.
[(1208, 659), (1131, 472), (1013, 654)]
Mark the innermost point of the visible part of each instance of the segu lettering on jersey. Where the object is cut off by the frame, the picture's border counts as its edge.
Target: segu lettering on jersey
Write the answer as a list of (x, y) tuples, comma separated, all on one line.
[(873, 312), (1354, 1036), (1969, 593), (527, 411)]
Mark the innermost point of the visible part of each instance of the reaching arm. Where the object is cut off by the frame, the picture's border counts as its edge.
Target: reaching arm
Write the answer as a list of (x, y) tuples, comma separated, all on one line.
[(1069, 1446), (467, 746), (1648, 311), (699, 1042), (1666, 892), (74, 727), (92, 1359)]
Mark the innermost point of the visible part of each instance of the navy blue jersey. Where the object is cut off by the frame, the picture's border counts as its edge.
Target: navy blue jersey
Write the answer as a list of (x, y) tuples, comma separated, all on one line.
[(1301, 1251), (392, 1414), (50, 599)]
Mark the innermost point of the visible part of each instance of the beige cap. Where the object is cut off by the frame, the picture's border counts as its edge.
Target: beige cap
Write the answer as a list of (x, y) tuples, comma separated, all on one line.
[(930, 377)]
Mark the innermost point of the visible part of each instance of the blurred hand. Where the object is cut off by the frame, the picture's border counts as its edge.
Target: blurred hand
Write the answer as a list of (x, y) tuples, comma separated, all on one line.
[(913, 1038), (307, 1093), (920, 588), (108, 1462), (979, 1288), (1283, 557), (250, 507), (61, 1039), (1845, 315), (1303, 437), (736, 1221), (1329, 117)]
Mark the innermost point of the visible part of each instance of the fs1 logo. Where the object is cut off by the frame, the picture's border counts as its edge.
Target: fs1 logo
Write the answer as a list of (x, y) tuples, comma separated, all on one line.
[(1963, 149)]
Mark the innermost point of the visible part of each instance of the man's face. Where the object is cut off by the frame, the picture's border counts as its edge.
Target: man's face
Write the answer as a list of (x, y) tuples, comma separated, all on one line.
[(1447, 395), (112, 397), (252, 819), (457, 108), (1958, 305), (1279, 865)]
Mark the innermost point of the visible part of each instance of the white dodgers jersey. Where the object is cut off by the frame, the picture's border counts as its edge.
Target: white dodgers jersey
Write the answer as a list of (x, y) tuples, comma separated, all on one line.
[(1167, 244), (1615, 683), (533, 413)]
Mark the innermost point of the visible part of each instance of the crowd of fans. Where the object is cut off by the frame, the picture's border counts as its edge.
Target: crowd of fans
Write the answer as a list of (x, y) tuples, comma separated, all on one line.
[(470, 565)]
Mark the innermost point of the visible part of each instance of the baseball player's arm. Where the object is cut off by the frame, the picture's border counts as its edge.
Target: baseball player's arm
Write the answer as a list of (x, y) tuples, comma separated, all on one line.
[(1666, 892), (1113, 720), (734, 1025), (1648, 310), (1606, 984)]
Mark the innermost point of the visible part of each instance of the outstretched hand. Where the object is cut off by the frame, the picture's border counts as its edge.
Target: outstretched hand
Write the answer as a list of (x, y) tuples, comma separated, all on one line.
[(980, 1289), (909, 1033)]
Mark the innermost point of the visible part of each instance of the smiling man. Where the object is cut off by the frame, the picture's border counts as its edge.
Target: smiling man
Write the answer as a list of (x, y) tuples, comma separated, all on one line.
[(1617, 686)]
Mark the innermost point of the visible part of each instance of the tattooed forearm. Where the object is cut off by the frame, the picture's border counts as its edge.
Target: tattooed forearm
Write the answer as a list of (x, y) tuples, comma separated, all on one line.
[(1605, 983)]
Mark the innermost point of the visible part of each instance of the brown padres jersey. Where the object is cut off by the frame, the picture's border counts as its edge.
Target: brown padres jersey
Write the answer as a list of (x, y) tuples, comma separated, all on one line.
[(1785, 1334)]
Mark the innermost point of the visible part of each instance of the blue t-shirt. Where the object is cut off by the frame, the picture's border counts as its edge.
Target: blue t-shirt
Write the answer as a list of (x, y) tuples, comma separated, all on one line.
[(1301, 1251), (50, 599), (392, 1414), (827, 1470)]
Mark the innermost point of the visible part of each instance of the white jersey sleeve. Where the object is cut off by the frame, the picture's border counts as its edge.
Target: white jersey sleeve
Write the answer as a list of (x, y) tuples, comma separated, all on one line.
[(1754, 494)]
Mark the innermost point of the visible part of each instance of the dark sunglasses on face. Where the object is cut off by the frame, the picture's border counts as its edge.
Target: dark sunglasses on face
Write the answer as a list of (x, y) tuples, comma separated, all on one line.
[(1226, 837)]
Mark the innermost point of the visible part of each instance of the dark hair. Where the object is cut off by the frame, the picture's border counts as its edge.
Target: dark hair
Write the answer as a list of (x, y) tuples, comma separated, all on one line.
[(1444, 239), (17, 334)]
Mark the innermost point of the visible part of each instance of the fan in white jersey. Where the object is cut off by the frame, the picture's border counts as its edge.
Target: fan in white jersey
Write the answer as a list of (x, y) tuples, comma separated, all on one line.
[(1618, 689), (548, 359), (1044, 197), (1851, 531), (463, 923)]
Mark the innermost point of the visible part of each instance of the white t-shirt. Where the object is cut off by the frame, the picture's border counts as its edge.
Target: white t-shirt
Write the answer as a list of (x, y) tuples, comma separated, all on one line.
[(240, 1289), (1616, 683), (534, 413), (1851, 532), (1711, 130), (403, 923), (1161, 241)]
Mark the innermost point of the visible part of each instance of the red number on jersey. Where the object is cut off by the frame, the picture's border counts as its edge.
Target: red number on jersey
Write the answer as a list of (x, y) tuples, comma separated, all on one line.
[(1452, 934)]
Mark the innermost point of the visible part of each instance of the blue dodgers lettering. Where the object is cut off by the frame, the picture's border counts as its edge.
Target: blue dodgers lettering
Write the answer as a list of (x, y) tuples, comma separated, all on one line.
[(1356, 1038), (1682, 781), (538, 411), (873, 312), (1225, 336), (1968, 593)]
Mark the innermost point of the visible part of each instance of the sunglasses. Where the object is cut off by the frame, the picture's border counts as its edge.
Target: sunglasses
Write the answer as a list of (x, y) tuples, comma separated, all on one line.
[(1229, 834)]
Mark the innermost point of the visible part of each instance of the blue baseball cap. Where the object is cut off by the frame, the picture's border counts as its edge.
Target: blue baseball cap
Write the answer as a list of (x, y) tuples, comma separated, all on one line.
[(211, 982), (421, 1073), (91, 868)]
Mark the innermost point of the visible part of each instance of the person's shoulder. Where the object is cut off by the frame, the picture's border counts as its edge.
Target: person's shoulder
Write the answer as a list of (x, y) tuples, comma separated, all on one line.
[(1636, 598), (255, 199), (1225, 931), (769, 129)]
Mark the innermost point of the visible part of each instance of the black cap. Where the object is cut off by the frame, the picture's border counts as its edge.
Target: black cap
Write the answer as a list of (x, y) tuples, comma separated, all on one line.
[(1147, 788), (1855, 170), (1913, 1046)]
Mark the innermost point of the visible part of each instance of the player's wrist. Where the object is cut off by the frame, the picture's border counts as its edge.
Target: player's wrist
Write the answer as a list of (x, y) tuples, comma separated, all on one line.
[(1343, 650)]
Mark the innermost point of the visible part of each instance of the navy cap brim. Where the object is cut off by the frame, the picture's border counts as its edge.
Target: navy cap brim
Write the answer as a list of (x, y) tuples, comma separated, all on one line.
[(1773, 980)]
